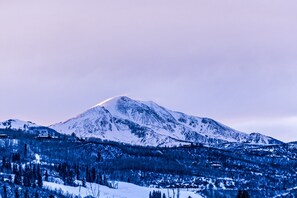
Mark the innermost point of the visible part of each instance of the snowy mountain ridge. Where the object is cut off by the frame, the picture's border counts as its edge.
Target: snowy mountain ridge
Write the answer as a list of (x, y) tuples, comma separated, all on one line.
[(129, 121), (17, 124)]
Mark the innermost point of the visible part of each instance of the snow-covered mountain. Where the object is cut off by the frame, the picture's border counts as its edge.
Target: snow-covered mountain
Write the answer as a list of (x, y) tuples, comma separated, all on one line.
[(27, 127), (16, 124), (125, 120)]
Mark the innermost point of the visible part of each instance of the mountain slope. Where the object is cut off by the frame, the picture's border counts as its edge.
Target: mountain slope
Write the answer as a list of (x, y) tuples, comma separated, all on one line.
[(146, 123), (27, 127), (16, 124)]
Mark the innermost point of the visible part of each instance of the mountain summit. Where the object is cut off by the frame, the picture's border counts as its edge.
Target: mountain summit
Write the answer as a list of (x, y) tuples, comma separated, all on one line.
[(123, 119)]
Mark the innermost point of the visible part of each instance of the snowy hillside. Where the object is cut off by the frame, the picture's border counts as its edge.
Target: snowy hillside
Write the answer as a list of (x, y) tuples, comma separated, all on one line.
[(125, 120), (16, 124), (27, 127), (124, 190)]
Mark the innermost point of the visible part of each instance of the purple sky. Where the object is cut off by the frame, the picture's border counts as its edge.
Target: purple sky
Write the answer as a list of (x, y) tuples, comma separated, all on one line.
[(234, 61)]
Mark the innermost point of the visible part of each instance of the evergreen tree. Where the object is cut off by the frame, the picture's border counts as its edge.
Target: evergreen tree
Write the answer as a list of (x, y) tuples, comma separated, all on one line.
[(99, 179), (20, 170), (25, 150), (77, 172), (88, 178), (104, 180), (7, 165), (4, 191), (34, 175), (16, 193), (93, 175), (18, 178), (70, 177), (27, 176), (46, 176), (39, 179), (15, 169), (3, 162), (16, 157), (26, 194), (63, 171), (98, 156)]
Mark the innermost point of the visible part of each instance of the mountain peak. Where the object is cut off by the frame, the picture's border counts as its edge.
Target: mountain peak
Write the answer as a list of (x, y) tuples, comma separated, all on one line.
[(113, 101), (147, 123)]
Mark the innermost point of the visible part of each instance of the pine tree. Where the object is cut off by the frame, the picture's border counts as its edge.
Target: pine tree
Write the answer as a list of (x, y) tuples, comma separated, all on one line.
[(93, 175), (3, 162), (88, 179), (104, 182), (14, 169), (16, 193), (26, 195), (18, 178), (16, 157), (6, 164), (98, 156), (25, 150), (99, 179), (34, 175), (63, 171), (69, 178), (77, 172), (39, 179), (27, 176), (4, 191), (46, 176)]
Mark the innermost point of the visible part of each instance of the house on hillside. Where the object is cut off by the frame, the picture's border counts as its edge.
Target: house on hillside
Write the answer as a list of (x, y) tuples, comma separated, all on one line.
[(3, 136)]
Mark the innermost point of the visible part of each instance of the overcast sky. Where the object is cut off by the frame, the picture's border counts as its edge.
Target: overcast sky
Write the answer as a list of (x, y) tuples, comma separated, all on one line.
[(234, 61)]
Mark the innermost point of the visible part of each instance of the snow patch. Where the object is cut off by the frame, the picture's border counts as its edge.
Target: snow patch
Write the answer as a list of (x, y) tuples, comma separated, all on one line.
[(125, 190)]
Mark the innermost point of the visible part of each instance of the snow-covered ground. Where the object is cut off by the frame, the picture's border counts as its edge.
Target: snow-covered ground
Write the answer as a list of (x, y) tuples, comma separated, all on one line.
[(125, 190)]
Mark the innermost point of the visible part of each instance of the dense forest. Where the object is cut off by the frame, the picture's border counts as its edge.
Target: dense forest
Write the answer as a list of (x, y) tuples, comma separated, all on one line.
[(28, 160)]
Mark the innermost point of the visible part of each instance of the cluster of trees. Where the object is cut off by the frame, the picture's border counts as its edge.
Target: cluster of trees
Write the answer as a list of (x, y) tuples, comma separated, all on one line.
[(70, 173), (17, 193), (30, 176), (156, 194), (6, 164), (13, 191), (67, 173), (95, 176), (242, 194)]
